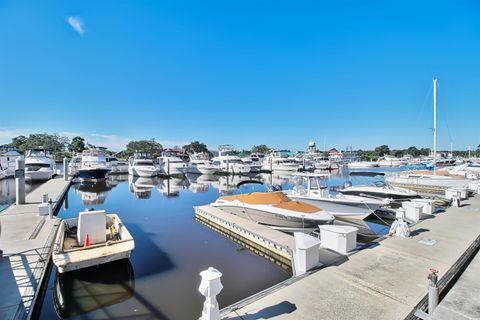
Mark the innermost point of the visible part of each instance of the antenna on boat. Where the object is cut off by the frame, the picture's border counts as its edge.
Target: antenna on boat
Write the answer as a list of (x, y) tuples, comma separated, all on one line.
[(435, 126)]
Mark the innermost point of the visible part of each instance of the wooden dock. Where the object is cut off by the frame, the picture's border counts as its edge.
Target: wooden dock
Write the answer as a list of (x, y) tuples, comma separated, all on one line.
[(386, 281), (26, 240)]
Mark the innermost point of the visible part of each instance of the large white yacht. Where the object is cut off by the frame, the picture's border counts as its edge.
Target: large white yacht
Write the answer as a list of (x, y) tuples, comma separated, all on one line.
[(170, 164), (381, 191), (280, 161), (254, 162), (341, 206), (142, 165), (75, 164), (94, 165), (229, 163), (39, 165), (7, 161), (274, 209), (197, 159)]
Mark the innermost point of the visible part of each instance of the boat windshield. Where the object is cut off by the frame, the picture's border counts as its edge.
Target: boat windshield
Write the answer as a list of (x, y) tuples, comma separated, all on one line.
[(144, 163), (38, 153)]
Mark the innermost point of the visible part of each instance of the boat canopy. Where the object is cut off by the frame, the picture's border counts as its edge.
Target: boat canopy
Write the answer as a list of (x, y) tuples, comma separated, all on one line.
[(275, 199)]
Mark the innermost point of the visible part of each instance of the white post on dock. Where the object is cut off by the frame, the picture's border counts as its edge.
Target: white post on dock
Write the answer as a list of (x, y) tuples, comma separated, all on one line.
[(210, 287), (168, 167), (20, 180), (271, 164), (228, 164), (433, 291), (65, 168)]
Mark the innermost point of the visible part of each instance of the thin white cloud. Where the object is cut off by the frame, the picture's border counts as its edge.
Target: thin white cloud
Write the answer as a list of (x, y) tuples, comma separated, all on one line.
[(77, 24), (6, 135)]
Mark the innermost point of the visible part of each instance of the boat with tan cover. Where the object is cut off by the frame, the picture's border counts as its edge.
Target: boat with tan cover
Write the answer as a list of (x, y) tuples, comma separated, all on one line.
[(274, 209)]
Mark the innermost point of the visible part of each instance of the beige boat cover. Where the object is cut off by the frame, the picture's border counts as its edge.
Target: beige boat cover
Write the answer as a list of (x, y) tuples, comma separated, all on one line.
[(429, 172), (275, 199)]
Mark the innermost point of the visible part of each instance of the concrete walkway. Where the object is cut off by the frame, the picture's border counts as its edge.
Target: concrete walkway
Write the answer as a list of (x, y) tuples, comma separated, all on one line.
[(26, 240), (463, 301), (387, 281)]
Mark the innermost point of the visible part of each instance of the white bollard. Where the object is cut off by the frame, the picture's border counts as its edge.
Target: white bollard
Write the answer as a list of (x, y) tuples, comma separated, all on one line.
[(456, 201), (168, 167), (210, 287), (20, 180), (399, 227), (65, 168), (44, 197), (50, 209)]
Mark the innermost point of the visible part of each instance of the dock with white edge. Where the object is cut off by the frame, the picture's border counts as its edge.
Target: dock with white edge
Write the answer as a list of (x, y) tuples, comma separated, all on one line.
[(26, 240), (385, 281)]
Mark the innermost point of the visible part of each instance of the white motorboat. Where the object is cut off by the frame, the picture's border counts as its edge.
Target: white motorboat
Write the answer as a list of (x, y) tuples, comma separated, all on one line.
[(279, 161), (228, 162), (116, 166), (74, 165), (209, 168), (253, 162), (171, 165), (92, 238), (388, 161), (362, 164), (274, 209), (341, 205), (39, 165), (142, 165), (384, 191), (94, 165), (197, 159), (7, 161)]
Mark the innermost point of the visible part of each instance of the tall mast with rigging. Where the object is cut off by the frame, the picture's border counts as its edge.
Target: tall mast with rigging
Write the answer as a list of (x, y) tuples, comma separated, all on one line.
[(435, 126)]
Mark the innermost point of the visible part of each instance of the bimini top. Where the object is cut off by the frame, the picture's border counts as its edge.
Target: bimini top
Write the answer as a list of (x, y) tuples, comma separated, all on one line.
[(275, 199)]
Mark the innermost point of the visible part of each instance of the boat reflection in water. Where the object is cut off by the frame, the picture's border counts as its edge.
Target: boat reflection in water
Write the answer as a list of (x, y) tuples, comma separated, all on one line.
[(93, 288), (142, 187), (93, 193), (172, 187), (196, 185)]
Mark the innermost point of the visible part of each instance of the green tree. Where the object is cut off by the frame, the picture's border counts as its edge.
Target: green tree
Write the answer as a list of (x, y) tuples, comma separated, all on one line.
[(143, 145), (77, 145), (19, 143), (397, 153), (196, 147), (262, 149), (413, 151), (424, 151), (382, 150)]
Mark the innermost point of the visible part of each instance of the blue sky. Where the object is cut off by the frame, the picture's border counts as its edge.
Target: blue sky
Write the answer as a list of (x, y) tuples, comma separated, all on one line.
[(244, 72)]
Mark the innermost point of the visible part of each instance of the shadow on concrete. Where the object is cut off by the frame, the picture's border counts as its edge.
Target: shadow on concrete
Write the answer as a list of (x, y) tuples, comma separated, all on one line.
[(284, 307), (418, 231)]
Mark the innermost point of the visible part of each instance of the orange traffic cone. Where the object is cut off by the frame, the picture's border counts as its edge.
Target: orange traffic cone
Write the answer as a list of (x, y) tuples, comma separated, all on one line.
[(87, 241)]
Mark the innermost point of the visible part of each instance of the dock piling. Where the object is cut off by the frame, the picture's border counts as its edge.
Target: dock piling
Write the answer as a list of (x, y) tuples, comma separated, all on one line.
[(168, 167), (65, 168), (20, 180), (210, 287)]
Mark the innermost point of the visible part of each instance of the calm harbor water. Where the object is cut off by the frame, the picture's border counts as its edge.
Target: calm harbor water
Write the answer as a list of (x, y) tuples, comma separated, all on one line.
[(162, 277)]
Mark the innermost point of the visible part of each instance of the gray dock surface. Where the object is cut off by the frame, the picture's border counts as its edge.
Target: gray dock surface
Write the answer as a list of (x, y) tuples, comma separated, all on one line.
[(386, 281), (26, 240), (463, 301)]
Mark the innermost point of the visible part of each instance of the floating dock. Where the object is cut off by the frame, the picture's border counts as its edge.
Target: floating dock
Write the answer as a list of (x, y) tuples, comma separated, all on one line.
[(26, 240), (384, 281)]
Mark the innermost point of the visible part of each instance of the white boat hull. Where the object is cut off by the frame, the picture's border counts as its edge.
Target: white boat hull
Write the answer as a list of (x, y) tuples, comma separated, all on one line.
[(138, 171), (39, 175)]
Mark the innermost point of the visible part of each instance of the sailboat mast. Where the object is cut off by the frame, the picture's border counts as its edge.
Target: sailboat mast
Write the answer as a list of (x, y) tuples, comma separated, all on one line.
[(435, 126)]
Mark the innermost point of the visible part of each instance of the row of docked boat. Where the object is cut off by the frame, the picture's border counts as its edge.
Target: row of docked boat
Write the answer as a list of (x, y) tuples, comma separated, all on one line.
[(310, 203), (39, 164)]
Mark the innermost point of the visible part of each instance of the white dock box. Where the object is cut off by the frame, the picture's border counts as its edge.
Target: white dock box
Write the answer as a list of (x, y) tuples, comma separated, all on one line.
[(413, 211), (43, 209), (94, 224), (453, 193), (307, 252), (428, 205), (338, 238)]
